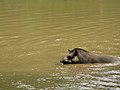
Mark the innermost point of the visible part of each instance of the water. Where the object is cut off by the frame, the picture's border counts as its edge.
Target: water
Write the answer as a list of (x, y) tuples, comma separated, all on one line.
[(34, 35)]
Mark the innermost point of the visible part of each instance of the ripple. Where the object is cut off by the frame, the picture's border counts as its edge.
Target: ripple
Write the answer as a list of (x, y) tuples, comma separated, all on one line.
[(15, 37), (112, 72), (21, 85), (1, 37), (58, 39), (42, 42), (110, 84), (29, 53), (107, 79)]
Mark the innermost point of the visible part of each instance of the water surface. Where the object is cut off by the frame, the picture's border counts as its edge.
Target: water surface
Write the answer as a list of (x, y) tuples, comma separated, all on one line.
[(34, 35)]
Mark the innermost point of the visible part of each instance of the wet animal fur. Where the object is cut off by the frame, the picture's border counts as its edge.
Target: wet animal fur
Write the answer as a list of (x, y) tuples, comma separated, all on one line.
[(79, 55)]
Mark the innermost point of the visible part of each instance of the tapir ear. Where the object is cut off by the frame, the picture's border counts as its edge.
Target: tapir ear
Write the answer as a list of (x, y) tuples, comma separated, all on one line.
[(69, 50), (76, 51)]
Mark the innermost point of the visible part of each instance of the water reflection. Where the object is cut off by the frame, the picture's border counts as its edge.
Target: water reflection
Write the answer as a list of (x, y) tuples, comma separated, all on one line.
[(76, 77), (83, 77)]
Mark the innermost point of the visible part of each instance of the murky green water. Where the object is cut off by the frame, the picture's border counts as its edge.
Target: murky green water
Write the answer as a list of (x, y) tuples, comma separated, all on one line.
[(35, 34)]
